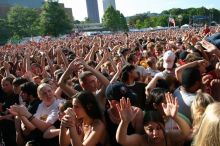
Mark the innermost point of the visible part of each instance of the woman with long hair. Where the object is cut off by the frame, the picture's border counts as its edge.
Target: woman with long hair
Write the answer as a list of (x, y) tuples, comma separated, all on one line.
[(82, 125), (209, 130)]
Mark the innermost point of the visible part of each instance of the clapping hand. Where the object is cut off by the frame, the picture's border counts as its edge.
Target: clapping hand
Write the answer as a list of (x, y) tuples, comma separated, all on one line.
[(126, 112), (69, 120), (171, 107)]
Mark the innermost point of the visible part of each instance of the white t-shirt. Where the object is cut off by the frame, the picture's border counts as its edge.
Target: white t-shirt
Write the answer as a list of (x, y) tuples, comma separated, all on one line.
[(48, 114)]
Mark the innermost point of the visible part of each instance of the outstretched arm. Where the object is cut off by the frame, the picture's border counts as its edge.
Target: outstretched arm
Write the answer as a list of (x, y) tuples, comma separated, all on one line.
[(127, 114)]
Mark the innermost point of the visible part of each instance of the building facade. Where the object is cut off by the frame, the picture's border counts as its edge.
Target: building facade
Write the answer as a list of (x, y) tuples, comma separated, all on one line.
[(107, 3), (93, 10)]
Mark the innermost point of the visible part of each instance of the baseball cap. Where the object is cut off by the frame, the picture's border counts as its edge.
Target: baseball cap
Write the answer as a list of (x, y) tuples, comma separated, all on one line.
[(214, 39), (115, 91), (168, 59)]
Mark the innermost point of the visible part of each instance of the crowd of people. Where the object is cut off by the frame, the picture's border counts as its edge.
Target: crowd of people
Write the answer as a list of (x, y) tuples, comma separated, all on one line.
[(159, 88)]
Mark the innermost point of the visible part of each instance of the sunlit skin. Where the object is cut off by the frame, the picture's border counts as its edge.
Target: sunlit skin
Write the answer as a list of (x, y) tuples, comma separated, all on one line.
[(90, 84), (154, 132), (7, 86), (46, 95)]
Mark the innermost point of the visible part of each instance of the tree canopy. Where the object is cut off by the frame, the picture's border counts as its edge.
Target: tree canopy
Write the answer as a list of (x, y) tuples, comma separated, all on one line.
[(152, 20), (114, 20), (54, 20)]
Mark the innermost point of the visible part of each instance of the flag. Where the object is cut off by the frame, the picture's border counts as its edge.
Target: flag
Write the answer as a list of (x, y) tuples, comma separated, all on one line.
[(172, 20)]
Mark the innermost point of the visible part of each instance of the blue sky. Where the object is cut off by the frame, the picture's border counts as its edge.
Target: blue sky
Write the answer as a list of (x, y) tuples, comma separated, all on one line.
[(132, 7)]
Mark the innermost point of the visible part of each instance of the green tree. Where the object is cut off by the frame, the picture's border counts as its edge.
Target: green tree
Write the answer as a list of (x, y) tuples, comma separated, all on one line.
[(22, 21), (114, 20), (54, 20), (4, 31)]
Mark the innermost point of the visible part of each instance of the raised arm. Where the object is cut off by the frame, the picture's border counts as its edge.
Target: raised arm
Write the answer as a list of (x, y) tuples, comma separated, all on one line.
[(171, 109), (73, 67), (127, 114)]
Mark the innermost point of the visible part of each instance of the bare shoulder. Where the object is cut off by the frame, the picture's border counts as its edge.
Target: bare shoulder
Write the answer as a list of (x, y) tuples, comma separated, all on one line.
[(98, 124)]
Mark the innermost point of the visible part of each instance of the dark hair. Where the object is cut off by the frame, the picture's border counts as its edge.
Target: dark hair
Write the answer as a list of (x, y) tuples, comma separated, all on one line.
[(9, 79), (18, 81), (84, 75), (153, 116), (190, 76), (157, 95), (89, 103), (130, 58), (125, 70), (30, 88)]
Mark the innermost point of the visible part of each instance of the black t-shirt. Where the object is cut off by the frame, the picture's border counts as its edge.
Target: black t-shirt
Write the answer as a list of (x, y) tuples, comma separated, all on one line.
[(139, 89), (32, 106), (7, 100)]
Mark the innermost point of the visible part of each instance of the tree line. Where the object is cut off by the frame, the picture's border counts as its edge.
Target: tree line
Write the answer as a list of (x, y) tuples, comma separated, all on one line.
[(21, 22), (152, 20)]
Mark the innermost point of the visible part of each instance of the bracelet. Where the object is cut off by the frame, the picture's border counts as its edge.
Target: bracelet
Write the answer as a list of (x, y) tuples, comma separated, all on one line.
[(31, 118)]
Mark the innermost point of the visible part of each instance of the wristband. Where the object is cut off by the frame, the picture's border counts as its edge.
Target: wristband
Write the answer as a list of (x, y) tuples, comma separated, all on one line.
[(31, 118)]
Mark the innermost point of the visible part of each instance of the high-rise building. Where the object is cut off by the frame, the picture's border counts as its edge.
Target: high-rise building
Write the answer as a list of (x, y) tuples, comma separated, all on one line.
[(93, 10), (107, 3)]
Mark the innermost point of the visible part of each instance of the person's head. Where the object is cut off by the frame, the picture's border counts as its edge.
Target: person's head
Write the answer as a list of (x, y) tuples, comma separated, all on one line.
[(156, 98), (172, 82), (35, 68), (128, 73), (51, 82), (154, 127), (169, 59), (115, 91), (7, 84), (198, 107), (132, 59), (191, 79), (45, 93), (151, 62), (88, 81), (16, 84), (86, 105), (208, 133), (28, 91)]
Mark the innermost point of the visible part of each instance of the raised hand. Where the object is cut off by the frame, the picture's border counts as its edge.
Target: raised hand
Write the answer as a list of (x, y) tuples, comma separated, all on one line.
[(127, 114), (209, 46), (171, 107)]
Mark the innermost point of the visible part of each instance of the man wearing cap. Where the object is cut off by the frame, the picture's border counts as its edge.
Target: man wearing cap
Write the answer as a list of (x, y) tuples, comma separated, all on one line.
[(114, 92), (168, 64)]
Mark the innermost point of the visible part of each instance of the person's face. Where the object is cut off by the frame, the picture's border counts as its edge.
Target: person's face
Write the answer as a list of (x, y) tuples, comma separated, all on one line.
[(133, 74), (7, 86), (90, 84), (35, 70), (155, 132), (16, 89), (24, 96), (78, 109), (46, 95)]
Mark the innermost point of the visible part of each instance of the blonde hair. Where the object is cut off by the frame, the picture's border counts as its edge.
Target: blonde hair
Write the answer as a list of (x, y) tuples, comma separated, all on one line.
[(198, 107), (40, 87), (209, 130)]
